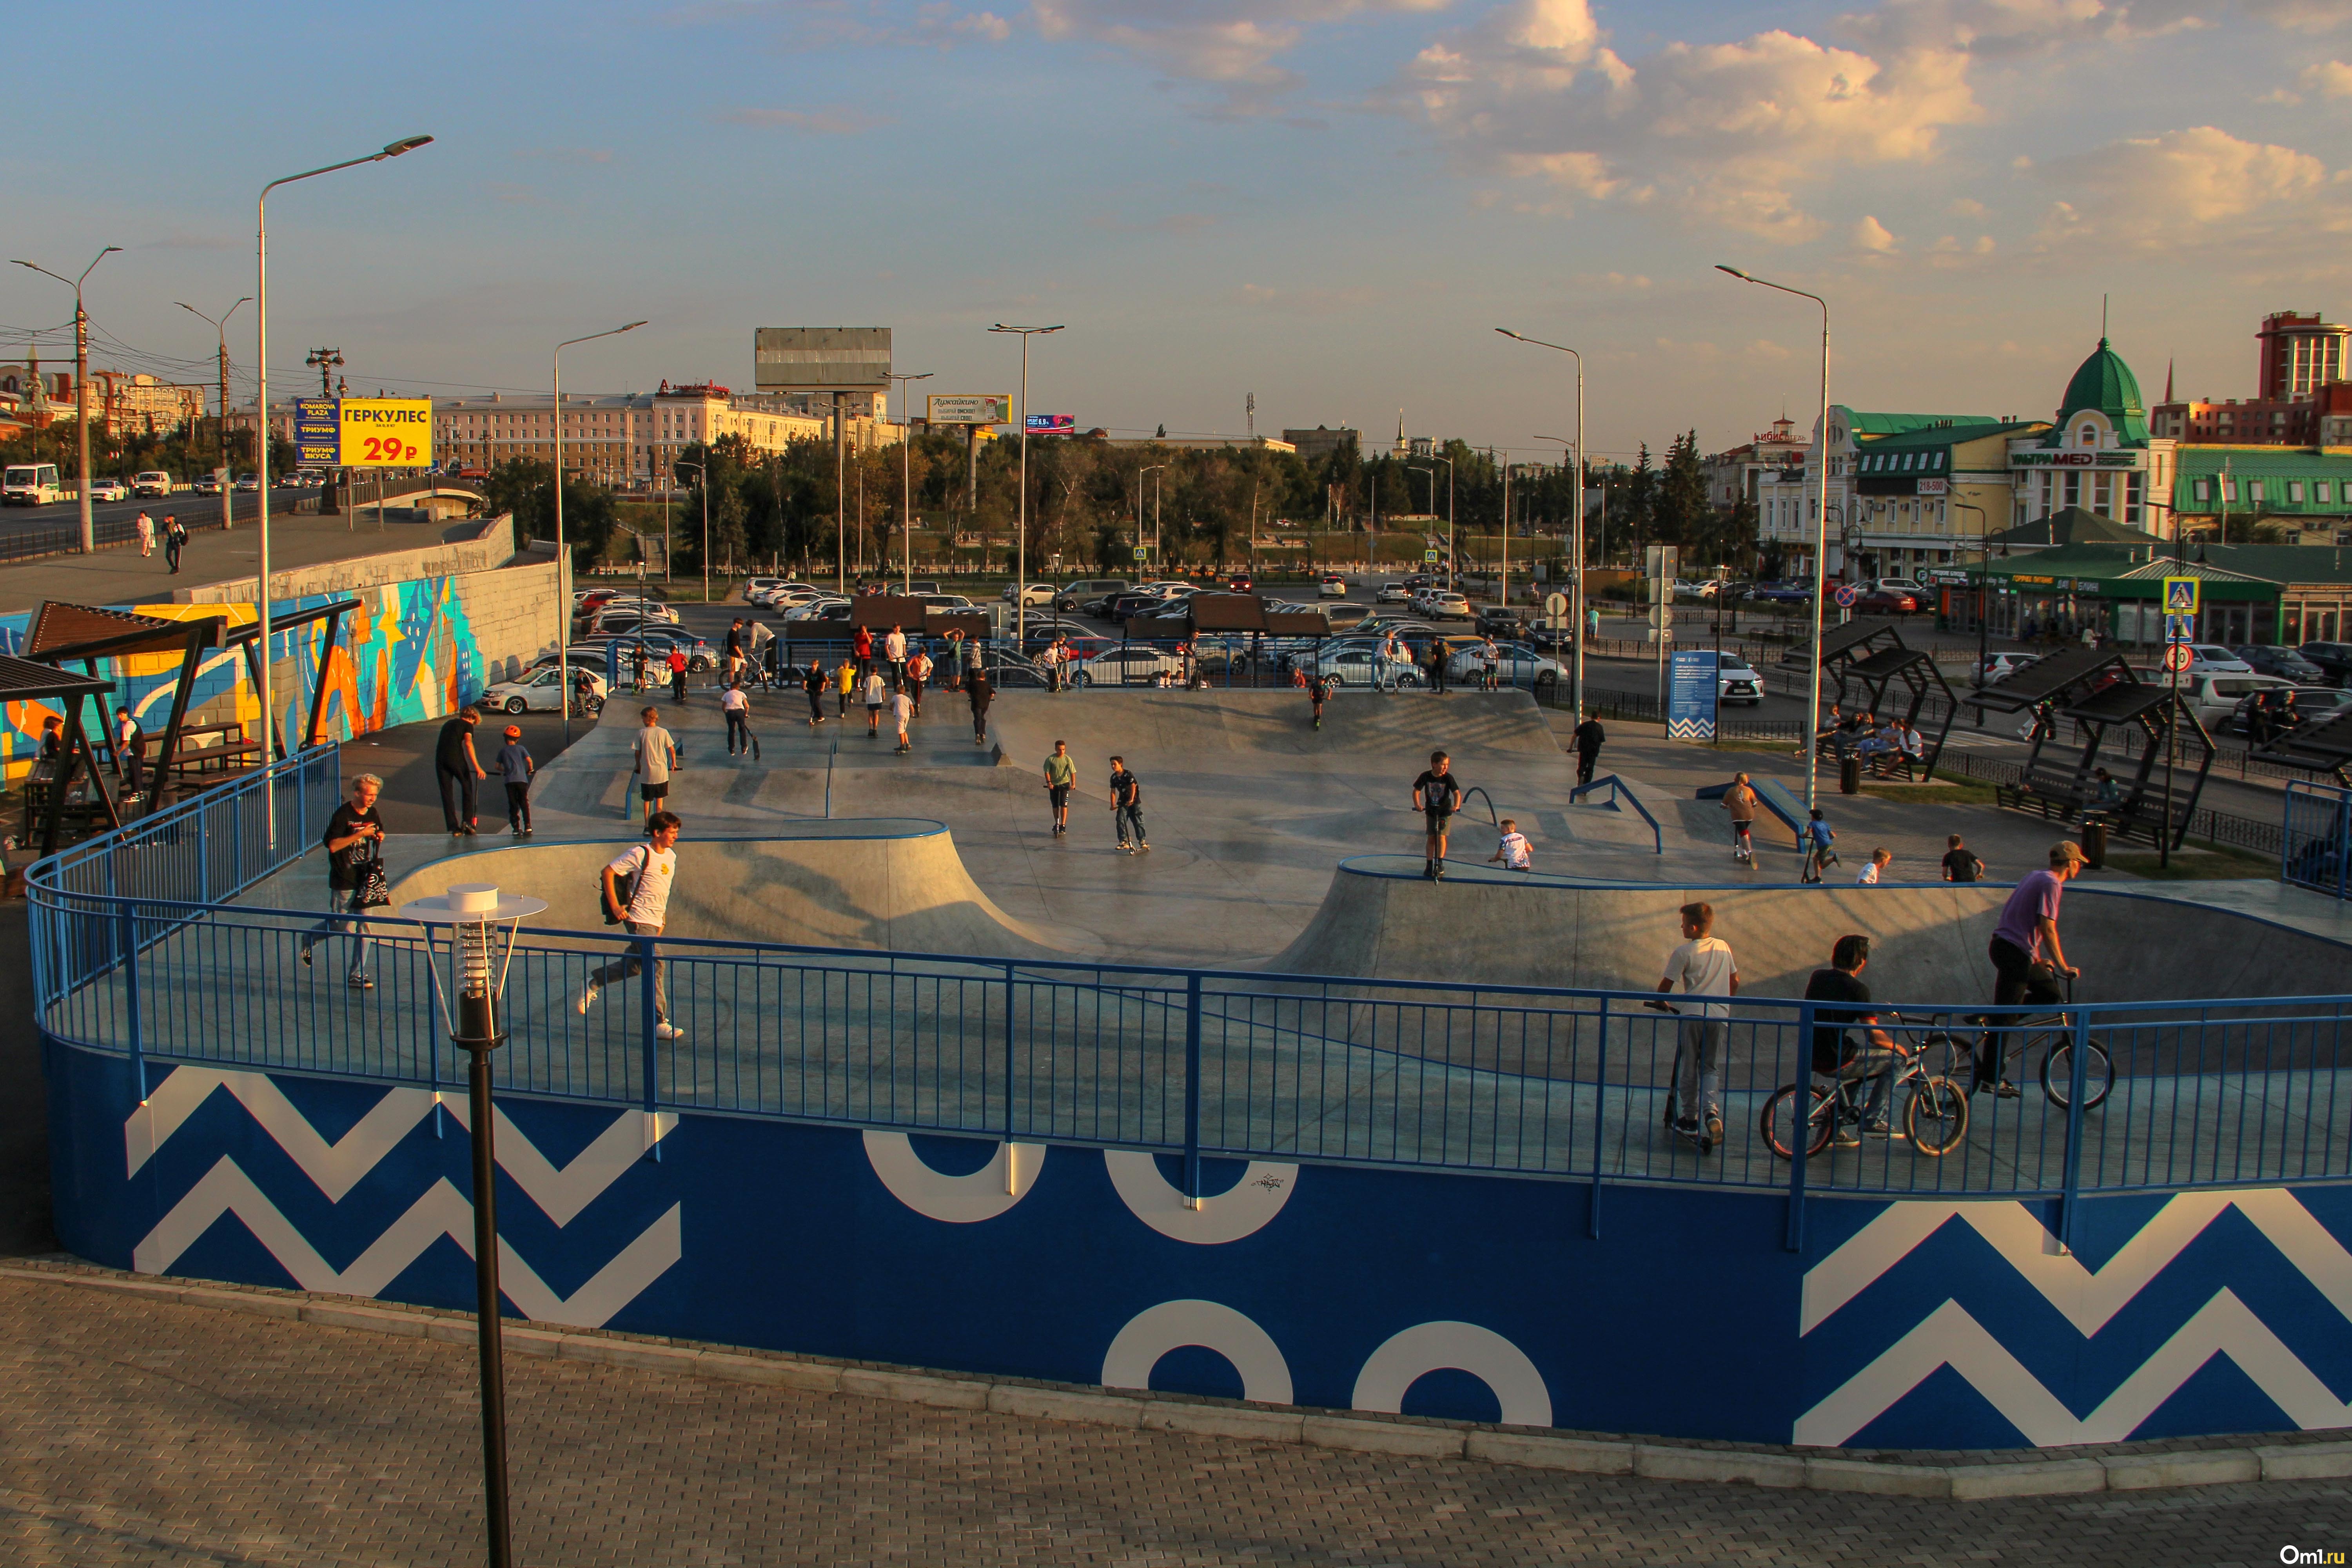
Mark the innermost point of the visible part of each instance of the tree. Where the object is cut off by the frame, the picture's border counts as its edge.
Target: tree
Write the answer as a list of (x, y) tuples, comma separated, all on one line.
[(1682, 513)]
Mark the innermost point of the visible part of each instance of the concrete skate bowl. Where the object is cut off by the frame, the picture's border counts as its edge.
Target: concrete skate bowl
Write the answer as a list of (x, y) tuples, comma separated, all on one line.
[(894, 884), (1262, 724)]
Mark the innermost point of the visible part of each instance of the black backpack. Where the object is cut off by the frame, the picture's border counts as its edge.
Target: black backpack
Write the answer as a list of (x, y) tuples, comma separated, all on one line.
[(625, 889)]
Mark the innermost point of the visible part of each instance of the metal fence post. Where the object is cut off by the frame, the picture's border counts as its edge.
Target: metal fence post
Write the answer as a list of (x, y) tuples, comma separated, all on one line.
[(130, 939), (1802, 1101), (2081, 1038), (648, 1017), (1192, 1091), (1600, 1123), (1008, 1063)]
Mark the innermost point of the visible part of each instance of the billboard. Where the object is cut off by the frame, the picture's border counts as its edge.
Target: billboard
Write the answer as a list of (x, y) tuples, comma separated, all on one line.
[(969, 408), (385, 432), (821, 359), (318, 432), (1052, 423)]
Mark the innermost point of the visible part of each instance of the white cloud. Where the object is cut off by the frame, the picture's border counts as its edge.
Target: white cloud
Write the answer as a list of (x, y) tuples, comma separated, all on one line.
[(1873, 238), (1721, 132), (1236, 45), (2189, 187), (2329, 78)]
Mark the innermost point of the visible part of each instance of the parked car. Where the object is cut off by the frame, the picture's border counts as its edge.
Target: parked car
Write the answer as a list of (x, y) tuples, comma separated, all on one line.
[(1361, 664), (204, 484), (1782, 593), (1399, 593), (1130, 664), (1885, 602), (1035, 596), (1445, 605), (1071, 596), (150, 482), (658, 641), (2002, 666), (2333, 659), (1516, 664), (2317, 704), (1346, 617), (2282, 662), (1331, 585), (1900, 585), (2212, 658), (1239, 582), (541, 691), (1736, 680), (106, 487), (2213, 695), (1500, 621)]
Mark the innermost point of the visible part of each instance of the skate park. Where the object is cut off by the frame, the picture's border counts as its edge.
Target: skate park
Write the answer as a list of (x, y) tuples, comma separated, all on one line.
[(955, 1093)]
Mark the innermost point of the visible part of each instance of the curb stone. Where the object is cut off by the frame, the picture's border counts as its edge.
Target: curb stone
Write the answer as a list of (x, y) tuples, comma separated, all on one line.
[(1357, 1432)]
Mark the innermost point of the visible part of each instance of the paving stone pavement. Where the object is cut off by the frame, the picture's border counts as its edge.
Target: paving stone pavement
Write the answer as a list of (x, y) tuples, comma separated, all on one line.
[(141, 1433)]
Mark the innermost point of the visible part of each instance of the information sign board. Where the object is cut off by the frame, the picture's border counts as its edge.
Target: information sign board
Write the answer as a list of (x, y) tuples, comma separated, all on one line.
[(318, 432), (1691, 690)]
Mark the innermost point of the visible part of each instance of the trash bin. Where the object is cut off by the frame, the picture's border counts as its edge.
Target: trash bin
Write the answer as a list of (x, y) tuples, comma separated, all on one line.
[(2095, 842), (1849, 774)]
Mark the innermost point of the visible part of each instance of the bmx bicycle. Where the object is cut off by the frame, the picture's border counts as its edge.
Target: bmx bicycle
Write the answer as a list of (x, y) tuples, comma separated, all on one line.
[(2052, 1035), (1935, 1109)]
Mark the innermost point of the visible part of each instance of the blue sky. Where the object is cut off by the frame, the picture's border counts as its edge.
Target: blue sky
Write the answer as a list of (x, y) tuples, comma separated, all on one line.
[(1329, 203)]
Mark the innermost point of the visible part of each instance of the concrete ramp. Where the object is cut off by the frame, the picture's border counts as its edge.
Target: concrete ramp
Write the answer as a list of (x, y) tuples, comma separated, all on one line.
[(896, 884), (1382, 919)]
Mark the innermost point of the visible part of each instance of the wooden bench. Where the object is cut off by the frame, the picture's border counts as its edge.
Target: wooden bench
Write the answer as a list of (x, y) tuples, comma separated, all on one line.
[(196, 759)]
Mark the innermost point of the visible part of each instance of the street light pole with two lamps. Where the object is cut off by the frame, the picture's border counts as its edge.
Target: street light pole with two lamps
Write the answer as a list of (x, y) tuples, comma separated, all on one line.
[(563, 562), (1575, 544), (262, 443), (1820, 526), (905, 470), (1021, 542), (81, 386), (220, 328)]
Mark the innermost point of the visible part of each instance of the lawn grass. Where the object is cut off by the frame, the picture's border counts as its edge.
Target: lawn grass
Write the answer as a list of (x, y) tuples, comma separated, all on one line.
[(2196, 862)]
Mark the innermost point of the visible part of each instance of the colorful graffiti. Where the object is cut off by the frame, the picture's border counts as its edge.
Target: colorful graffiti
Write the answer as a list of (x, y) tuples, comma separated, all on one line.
[(405, 652)]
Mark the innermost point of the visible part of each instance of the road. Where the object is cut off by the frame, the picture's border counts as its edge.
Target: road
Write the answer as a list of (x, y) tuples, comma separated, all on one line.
[(68, 515)]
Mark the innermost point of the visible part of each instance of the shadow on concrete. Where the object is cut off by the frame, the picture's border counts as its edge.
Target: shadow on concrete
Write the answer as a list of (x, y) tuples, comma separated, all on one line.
[(24, 1105)]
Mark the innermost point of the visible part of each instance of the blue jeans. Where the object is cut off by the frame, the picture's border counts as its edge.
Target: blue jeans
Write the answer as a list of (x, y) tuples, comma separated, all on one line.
[(335, 926), (1129, 816)]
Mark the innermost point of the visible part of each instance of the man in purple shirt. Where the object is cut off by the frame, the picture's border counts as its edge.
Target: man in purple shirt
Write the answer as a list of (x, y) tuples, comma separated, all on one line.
[(2027, 957)]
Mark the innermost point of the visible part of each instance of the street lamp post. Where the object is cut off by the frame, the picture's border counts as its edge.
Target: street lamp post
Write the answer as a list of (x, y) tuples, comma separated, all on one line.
[(702, 484), (81, 386), (1021, 540), (261, 441), (1576, 546), (220, 328), (471, 913), (1984, 644), (562, 560), (1821, 529), (906, 471), (1153, 468)]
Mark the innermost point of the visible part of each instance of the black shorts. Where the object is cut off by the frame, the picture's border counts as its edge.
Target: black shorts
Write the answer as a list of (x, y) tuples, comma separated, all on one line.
[(1438, 819), (653, 792), (1060, 795)]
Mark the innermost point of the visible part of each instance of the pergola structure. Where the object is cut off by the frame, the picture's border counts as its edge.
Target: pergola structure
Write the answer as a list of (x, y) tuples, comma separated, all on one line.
[(25, 680), (2099, 690), (1874, 655)]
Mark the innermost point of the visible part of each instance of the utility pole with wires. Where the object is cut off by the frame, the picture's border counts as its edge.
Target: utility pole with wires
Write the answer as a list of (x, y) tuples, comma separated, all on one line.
[(220, 325)]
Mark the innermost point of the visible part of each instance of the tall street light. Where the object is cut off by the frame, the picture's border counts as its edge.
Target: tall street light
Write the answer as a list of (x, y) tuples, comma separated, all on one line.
[(562, 560), (261, 440), (1148, 468), (1020, 541), (1984, 641), (1575, 544), (220, 327), (702, 484), (906, 471), (81, 385), (1820, 528)]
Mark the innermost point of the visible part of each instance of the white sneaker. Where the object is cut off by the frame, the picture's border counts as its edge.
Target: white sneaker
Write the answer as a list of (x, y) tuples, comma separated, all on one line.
[(587, 1000), (667, 1031)]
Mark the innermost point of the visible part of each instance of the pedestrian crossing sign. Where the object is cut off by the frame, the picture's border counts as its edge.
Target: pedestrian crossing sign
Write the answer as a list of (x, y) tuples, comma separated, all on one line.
[(1429, 557), (2181, 596), (2180, 629)]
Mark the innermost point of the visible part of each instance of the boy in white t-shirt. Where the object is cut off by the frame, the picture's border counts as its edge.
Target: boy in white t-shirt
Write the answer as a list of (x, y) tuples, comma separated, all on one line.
[(1879, 860), (654, 866), (1513, 850), (902, 708), (1703, 967)]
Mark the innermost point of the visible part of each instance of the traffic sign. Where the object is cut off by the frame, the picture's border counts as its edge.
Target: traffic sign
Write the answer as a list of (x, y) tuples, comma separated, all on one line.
[(2180, 629), (1429, 557), (2177, 657), (1846, 595), (1141, 553), (1556, 606), (2181, 596)]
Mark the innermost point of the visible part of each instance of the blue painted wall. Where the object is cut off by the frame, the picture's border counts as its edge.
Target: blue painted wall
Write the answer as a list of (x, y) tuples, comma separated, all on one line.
[(1935, 1325)]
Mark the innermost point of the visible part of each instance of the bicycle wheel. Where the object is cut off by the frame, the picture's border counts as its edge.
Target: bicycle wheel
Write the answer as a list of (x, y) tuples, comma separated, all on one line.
[(1956, 1053), (1936, 1117), (2058, 1073), (1780, 1121)]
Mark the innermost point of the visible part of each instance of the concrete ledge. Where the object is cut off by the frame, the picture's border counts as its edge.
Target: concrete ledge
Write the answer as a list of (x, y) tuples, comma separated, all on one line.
[(1721, 1465), (1382, 1437), (2044, 1478), (2305, 1461), (1405, 1435)]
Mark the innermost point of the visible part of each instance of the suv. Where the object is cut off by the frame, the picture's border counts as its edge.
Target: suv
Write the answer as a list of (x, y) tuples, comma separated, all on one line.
[(1069, 598), (2281, 661), (1444, 604), (2333, 659), (153, 482)]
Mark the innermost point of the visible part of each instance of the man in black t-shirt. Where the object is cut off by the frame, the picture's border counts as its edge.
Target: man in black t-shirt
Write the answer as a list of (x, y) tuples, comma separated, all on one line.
[(1436, 793), (1960, 863), (1586, 738), (1837, 1053), (355, 842), (457, 768)]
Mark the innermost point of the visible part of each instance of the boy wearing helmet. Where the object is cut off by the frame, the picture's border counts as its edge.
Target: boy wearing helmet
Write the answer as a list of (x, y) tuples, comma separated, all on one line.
[(516, 767)]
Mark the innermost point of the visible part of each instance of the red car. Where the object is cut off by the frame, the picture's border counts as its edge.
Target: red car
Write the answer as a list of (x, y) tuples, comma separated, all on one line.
[(1239, 582), (1885, 602)]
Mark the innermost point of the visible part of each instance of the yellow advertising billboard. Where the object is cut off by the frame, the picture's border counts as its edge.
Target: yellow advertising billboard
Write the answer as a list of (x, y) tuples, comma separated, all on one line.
[(385, 432)]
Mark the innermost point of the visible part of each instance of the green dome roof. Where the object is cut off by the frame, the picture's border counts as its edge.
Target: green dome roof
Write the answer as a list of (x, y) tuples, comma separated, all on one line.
[(2105, 383)]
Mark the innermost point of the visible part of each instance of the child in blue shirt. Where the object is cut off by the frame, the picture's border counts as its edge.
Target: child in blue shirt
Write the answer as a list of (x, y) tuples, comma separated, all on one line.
[(1819, 854), (516, 767)]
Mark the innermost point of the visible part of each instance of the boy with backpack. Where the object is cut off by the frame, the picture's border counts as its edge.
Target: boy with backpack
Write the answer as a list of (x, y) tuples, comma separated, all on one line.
[(634, 890)]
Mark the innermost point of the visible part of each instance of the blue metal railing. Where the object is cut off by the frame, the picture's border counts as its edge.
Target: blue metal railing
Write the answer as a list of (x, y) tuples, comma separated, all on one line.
[(1566, 1083), (2315, 838), (1619, 790)]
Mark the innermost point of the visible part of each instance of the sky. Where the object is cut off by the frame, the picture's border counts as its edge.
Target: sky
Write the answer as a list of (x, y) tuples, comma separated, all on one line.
[(1328, 204)]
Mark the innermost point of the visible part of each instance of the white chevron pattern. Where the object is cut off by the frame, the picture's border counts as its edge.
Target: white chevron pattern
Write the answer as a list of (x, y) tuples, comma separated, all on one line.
[(442, 1211), (2089, 1299), (335, 1168)]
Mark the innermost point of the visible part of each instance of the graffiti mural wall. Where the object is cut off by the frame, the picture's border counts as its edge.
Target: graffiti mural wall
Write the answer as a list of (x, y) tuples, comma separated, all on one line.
[(407, 652)]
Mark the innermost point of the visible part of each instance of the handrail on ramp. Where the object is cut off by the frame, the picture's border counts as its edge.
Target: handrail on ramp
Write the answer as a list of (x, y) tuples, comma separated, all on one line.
[(1620, 790), (1774, 797)]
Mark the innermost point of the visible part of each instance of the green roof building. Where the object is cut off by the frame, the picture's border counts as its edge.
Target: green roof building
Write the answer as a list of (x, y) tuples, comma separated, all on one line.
[(2307, 495), (2098, 455)]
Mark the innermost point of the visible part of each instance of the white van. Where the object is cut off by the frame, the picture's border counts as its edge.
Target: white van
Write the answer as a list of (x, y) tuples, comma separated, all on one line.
[(2213, 696), (31, 484)]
